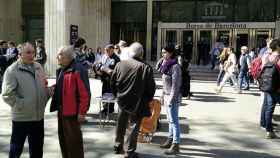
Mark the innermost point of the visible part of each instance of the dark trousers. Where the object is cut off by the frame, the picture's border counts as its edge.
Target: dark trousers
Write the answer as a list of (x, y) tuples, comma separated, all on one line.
[(34, 131), (70, 137), (131, 142), (106, 88), (213, 61), (268, 107), (186, 84)]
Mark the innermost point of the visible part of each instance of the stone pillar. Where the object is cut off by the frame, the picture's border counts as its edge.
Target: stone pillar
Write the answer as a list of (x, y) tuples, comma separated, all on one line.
[(96, 22), (149, 29), (11, 20), (91, 16), (277, 29)]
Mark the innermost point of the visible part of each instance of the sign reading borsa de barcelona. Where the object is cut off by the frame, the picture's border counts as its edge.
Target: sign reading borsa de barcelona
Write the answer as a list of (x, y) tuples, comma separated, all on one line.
[(234, 25)]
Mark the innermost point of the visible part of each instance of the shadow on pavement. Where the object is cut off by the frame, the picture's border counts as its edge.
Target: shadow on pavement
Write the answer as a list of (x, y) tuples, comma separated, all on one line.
[(184, 141), (217, 153), (211, 97)]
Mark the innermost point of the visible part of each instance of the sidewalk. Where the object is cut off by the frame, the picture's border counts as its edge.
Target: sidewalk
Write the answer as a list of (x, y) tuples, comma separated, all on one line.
[(212, 126)]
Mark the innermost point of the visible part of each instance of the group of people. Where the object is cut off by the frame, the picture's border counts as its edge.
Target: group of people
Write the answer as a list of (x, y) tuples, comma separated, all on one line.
[(123, 73), (239, 74)]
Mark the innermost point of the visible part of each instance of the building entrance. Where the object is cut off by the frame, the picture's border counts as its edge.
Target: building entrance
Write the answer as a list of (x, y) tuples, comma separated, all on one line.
[(197, 39)]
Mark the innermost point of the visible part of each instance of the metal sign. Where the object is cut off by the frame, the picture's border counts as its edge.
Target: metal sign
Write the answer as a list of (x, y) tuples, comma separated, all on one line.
[(73, 33)]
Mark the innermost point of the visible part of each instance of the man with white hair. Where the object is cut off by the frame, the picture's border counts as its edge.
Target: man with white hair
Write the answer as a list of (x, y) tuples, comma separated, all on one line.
[(71, 99), (244, 62), (133, 84), (25, 91), (124, 52)]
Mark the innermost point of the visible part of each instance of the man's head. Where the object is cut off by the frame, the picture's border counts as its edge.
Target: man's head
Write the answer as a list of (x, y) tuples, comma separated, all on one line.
[(244, 49), (117, 49), (79, 43), (136, 50), (275, 45), (39, 42), (11, 44), (26, 53), (122, 44), (65, 55), (109, 50), (3, 44)]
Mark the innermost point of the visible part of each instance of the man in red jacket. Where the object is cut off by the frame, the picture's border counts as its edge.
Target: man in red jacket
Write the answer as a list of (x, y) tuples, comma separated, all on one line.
[(71, 99)]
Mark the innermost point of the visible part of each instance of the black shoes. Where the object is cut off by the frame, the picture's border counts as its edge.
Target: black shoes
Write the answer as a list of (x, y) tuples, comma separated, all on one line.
[(173, 150), (167, 144), (118, 149), (104, 112)]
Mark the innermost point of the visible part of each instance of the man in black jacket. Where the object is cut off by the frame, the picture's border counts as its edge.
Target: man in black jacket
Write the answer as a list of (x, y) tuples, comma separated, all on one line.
[(133, 84)]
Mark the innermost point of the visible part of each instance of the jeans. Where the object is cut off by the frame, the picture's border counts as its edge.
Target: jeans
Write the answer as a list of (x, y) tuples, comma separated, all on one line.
[(213, 61), (243, 76), (173, 120), (228, 76), (268, 107), (34, 131), (220, 76)]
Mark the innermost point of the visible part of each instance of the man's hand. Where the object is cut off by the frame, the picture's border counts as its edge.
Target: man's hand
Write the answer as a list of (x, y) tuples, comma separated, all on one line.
[(81, 118)]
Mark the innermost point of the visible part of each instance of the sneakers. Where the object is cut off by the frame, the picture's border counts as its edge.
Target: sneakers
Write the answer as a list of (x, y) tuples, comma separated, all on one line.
[(218, 90), (270, 135)]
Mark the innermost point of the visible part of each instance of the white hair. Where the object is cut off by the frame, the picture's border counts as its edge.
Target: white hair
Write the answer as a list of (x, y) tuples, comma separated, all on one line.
[(122, 43), (136, 50), (244, 47), (68, 51)]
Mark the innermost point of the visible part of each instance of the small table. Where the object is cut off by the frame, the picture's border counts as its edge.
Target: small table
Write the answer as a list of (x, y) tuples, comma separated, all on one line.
[(103, 122)]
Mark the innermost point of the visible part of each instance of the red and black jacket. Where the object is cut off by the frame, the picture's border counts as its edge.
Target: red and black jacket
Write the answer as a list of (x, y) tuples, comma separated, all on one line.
[(72, 91)]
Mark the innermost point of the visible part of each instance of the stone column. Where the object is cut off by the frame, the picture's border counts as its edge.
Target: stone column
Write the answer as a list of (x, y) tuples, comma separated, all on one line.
[(91, 16), (149, 29), (277, 29), (11, 20)]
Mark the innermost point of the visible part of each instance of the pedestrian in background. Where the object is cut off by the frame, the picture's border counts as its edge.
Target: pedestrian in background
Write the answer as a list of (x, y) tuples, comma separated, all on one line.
[(41, 56)]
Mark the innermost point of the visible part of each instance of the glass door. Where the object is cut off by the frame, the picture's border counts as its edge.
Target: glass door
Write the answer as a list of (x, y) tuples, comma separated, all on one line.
[(171, 37), (188, 44), (224, 37), (203, 46), (261, 36), (242, 39)]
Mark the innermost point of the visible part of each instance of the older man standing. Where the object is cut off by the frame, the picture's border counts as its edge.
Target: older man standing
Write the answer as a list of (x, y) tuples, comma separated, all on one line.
[(71, 99), (24, 89), (133, 84)]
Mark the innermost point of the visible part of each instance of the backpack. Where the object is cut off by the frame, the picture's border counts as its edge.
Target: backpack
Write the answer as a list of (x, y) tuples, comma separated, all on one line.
[(269, 79), (256, 67)]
